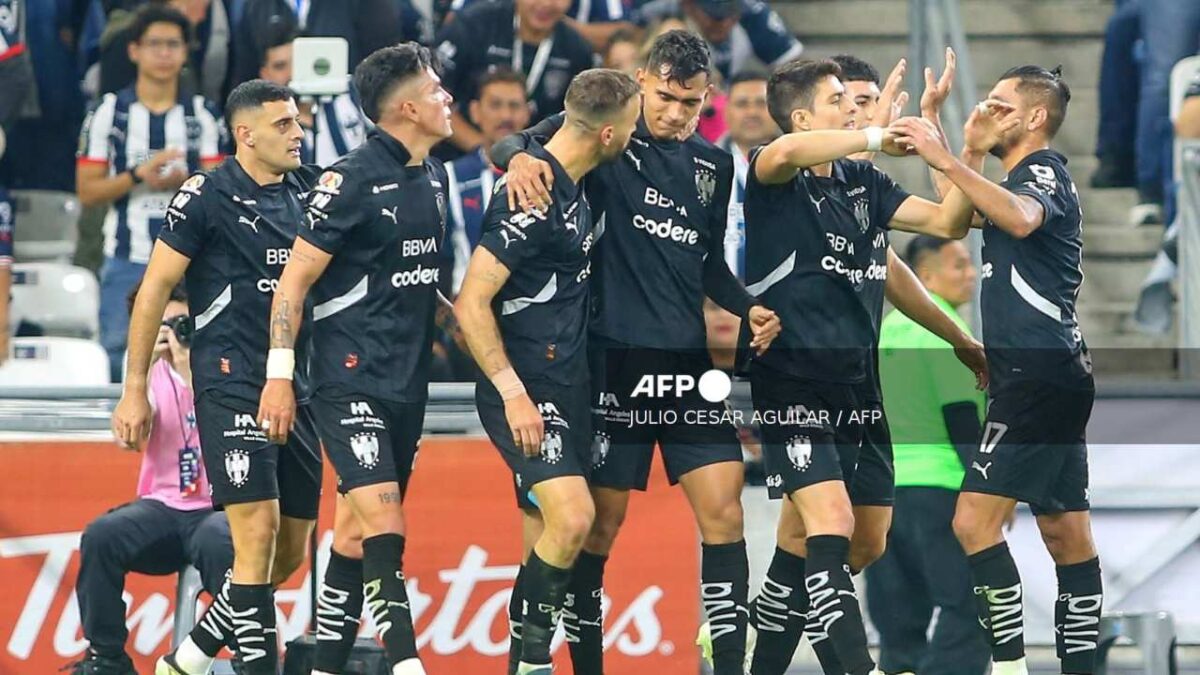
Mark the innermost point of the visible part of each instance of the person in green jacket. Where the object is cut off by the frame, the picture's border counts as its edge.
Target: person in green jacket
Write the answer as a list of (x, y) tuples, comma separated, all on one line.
[(934, 412)]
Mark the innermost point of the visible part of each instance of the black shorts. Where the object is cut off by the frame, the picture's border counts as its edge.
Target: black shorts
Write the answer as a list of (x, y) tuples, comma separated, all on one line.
[(874, 481), (566, 446), (811, 430), (1034, 447), (369, 441), (690, 431), (242, 466)]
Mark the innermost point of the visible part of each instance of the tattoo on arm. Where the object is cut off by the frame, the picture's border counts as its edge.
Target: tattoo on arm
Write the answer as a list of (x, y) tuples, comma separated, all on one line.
[(282, 335)]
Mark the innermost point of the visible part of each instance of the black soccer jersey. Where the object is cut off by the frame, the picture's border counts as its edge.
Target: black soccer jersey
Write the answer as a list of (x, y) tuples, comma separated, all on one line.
[(1030, 329), (542, 308), (238, 235), (810, 249), (871, 294), (661, 211), (484, 36), (383, 221)]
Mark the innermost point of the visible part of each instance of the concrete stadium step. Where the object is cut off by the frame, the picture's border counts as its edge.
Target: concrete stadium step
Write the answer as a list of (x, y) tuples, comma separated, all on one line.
[(980, 17), (1107, 280), (1109, 206), (1120, 240), (1132, 354)]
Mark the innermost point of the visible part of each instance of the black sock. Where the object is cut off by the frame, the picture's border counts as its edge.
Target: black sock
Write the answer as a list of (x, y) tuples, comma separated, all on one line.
[(545, 588), (252, 607), (582, 615), (215, 628), (515, 617), (339, 610), (778, 613), (821, 645), (386, 597), (834, 604), (724, 588), (1077, 616), (998, 597)]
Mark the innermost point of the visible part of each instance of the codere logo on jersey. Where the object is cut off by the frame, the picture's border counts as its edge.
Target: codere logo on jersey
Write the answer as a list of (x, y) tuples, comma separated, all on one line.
[(421, 276)]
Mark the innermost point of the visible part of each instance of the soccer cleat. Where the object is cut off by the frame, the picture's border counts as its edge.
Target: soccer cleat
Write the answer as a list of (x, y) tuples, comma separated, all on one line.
[(166, 666), (704, 642), (94, 664), (534, 669), (1017, 667)]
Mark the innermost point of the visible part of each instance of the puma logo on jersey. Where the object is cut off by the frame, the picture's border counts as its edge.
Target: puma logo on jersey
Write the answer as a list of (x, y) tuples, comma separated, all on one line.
[(390, 213), (981, 469), (816, 202), (252, 223), (636, 162)]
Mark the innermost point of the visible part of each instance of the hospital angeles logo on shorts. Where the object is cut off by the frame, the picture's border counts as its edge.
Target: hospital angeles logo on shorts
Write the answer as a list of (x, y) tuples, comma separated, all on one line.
[(237, 467), (799, 452), (366, 449), (552, 447)]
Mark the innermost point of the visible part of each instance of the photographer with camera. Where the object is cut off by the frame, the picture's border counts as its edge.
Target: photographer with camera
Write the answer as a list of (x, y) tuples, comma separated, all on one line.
[(171, 523)]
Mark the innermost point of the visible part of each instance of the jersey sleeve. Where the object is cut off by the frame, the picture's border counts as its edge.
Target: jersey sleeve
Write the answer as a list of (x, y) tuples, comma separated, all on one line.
[(1193, 88), (886, 194), (93, 136), (330, 214), (1042, 182), (773, 42), (512, 237), (187, 228)]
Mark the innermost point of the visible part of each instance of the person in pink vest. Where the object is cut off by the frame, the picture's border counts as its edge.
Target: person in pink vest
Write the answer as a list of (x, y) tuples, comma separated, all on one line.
[(171, 523)]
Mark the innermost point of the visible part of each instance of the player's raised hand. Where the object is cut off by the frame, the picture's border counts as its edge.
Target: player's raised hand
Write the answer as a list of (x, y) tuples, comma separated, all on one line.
[(526, 424), (989, 122), (131, 419), (891, 95), (277, 409), (529, 183), (937, 91), (971, 355), (921, 136), (764, 328)]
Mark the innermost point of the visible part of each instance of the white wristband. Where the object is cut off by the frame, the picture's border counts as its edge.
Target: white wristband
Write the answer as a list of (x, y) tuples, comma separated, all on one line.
[(281, 363), (874, 138)]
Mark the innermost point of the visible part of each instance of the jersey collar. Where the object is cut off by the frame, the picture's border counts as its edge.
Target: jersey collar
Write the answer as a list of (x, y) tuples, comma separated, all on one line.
[(838, 174), (393, 146), (242, 182)]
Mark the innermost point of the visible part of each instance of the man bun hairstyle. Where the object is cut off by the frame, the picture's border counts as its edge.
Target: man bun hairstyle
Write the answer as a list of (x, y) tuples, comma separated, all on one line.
[(1047, 87)]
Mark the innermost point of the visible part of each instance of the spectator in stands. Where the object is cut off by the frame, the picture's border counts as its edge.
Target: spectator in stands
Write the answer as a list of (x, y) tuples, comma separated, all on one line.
[(598, 21), (171, 524), (531, 36), (1155, 310), (735, 30), (623, 52), (1173, 28), (136, 148), (207, 68), (501, 108), (16, 69), (933, 411), (750, 125), (1117, 130), (339, 126)]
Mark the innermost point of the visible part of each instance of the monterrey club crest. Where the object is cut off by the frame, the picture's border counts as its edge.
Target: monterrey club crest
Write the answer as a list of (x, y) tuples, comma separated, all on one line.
[(600, 445), (552, 447), (237, 467), (862, 213), (366, 449), (706, 185), (799, 452)]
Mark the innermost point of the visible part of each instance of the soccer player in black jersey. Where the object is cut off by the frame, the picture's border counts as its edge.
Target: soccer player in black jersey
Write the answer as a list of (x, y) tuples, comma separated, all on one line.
[(228, 232), (778, 616), (812, 221), (1033, 447), (664, 204), (523, 310), (369, 254)]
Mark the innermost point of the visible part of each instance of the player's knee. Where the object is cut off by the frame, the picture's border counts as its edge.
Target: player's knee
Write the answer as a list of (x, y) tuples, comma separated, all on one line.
[(834, 518), (866, 551), (288, 559), (1067, 544), (973, 529), (570, 529), (348, 544), (604, 530), (722, 523)]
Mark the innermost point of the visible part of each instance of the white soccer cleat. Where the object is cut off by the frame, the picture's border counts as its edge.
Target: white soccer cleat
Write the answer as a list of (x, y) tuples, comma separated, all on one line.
[(531, 669), (704, 642), (1017, 667), (166, 666)]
